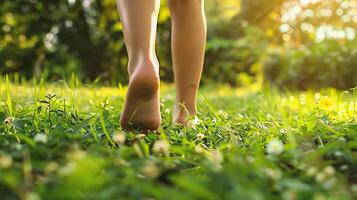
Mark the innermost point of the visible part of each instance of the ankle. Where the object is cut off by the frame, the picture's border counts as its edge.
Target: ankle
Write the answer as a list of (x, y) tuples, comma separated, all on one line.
[(187, 108), (145, 65)]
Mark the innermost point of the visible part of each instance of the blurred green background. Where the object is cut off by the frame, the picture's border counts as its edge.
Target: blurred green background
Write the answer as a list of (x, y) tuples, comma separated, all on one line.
[(291, 44)]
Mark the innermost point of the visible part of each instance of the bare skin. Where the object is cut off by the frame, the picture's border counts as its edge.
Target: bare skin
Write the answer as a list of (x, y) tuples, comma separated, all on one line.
[(142, 106), (139, 18), (188, 49)]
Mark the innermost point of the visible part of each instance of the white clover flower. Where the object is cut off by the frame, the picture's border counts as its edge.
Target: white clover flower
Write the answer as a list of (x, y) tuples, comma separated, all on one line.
[(32, 196), (269, 116), (223, 114), (161, 146), (119, 138), (67, 169), (329, 170), (302, 166), (303, 99), (5, 161), (291, 98), (320, 177), (150, 170), (51, 167), (283, 131), (338, 153), (216, 157), (40, 138), (329, 183), (195, 121), (199, 149), (250, 159), (200, 136), (275, 147), (319, 196), (140, 136), (353, 106), (317, 96), (344, 167), (311, 171), (8, 121), (289, 194), (240, 116), (273, 174), (354, 188), (77, 154)]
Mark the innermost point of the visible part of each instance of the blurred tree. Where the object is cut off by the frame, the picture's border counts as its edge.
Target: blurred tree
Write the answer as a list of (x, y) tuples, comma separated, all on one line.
[(59, 31), (304, 22), (246, 40), (64, 35)]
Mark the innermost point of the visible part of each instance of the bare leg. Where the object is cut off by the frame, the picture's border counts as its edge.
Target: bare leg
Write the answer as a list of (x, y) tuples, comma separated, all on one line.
[(142, 107), (188, 47)]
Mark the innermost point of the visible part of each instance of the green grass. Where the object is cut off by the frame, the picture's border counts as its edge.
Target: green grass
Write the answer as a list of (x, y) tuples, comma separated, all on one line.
[(63, 141)]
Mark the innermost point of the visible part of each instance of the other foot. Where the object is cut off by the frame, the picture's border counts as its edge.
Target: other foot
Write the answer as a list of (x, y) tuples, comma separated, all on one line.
[(182, 116)]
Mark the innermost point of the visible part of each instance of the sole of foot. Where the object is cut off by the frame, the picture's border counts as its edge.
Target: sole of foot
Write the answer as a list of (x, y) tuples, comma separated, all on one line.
[(142, 105)]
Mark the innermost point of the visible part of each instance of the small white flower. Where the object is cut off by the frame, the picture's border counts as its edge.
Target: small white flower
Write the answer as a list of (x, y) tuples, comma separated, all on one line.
[(354, 188), (269, 116), (140, 136), (40, 138), (119, 138), (317, 96), (291, 98), (303, 99), (283, 131), (32, 196), (161, 146), (353, 106), (5, 161), (319, 196), (329, 170), (51, 167), (67, 169), (302, 166), (8, 121), (273, 174), (311, 171), (196, 121), (320, 177), (216, 157), (250, 159), (344, 167), (200, 136), (289, 194), (338, 153), (77, 154), (240, 116), (150, 170), (199, 149), (223, 114), (275, 146)]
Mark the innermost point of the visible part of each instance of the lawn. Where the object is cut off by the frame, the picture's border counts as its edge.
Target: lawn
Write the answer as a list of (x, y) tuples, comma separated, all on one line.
[(63, 141)]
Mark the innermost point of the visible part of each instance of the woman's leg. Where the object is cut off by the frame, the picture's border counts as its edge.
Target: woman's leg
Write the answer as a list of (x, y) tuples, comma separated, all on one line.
[(142, 107), (188, 48)]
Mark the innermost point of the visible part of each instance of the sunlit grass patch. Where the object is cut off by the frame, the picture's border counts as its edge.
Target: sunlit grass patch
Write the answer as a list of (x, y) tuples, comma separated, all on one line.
[(62, 141)]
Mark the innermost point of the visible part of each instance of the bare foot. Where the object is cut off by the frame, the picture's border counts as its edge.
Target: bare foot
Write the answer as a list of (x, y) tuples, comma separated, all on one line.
[(142, 105), (181, 115)]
